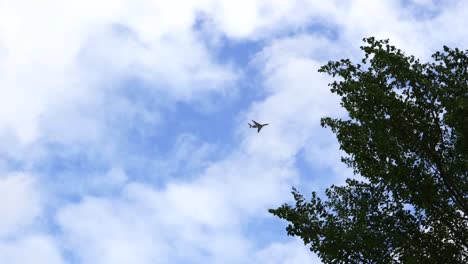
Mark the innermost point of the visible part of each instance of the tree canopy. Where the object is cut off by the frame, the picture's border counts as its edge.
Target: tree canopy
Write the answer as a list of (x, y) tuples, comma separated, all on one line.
[(407, 136)]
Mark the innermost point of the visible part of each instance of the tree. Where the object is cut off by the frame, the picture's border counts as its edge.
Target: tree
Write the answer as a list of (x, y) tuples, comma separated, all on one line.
[(407, 136)]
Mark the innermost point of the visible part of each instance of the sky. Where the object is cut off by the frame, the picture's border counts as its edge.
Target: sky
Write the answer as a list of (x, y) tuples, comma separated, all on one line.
[(123, 124)]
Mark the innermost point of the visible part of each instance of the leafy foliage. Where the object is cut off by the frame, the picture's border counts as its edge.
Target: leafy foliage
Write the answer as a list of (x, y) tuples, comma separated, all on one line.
[(407, 135)]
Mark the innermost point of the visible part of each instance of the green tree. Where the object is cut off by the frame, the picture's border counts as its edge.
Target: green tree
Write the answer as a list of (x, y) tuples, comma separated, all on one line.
[(407, 136)]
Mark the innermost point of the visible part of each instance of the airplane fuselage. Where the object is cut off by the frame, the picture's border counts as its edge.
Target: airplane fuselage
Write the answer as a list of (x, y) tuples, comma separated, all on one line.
[(256, 125)]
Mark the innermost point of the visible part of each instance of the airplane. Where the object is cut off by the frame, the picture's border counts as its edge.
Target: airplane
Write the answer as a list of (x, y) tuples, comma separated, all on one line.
[(257, 126)]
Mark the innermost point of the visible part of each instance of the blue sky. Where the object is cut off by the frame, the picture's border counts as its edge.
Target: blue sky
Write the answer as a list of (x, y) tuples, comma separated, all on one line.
[(123, 124)]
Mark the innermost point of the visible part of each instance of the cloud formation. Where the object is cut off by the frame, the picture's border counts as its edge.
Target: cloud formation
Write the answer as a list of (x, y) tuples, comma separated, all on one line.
[(93, 169)]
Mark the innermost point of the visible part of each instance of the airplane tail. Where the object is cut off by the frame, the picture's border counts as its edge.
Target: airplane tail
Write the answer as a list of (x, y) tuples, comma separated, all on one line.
[(250, 125)]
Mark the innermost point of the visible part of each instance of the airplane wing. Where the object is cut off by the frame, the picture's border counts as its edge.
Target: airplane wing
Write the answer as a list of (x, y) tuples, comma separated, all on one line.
[(255, 123), (259, 128)]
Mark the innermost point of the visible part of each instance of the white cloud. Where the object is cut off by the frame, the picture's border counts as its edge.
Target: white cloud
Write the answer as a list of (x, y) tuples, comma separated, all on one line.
[(103, 231), (162, 47), (147, 226), (21, 207), (293, 252), (299, 98), (44, 72), (60, 78), (264, 19), (195, 220), (30, 250), (417, 36), (20, 204)]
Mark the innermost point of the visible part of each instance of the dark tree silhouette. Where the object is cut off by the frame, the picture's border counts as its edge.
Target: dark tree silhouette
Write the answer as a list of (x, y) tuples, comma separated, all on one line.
[(407, 136)]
